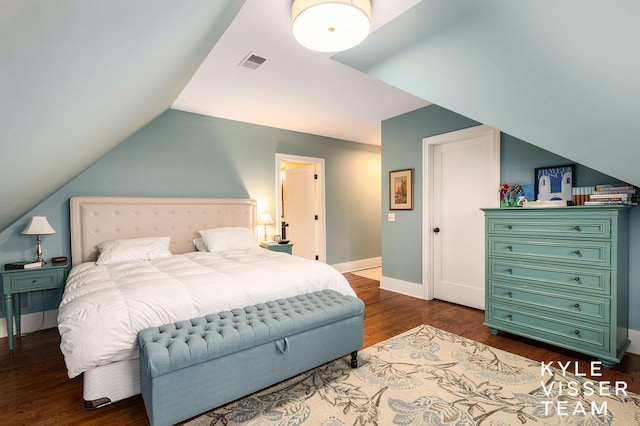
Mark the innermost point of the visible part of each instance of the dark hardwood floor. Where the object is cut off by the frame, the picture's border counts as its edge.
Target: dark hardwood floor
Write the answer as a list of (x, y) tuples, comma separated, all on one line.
[(35, 389)]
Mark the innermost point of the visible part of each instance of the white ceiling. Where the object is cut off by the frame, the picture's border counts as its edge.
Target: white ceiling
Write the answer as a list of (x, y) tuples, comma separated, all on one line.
[(295, 89)]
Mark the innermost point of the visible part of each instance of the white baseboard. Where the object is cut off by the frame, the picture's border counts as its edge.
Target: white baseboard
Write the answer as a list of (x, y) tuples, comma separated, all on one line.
[(357, 265), (403, 287), (32, 322)]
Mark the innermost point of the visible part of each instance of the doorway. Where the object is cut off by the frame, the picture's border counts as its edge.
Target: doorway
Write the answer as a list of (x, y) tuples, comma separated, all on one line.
[(300, 204), (462, 175)]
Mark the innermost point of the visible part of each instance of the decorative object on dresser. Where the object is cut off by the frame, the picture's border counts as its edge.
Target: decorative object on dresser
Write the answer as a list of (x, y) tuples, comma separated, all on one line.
[(612, 194), (560, 276), (15, 282), (554, 183), (510, 194), (38, 226)]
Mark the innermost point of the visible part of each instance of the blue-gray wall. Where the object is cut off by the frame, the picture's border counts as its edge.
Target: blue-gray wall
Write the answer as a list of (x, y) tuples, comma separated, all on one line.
[(402, 148), (189, 155)]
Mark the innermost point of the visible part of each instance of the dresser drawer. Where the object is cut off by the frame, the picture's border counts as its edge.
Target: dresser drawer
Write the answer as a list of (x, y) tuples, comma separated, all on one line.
[(566, 278), (537, 325), (577, 306), (593, 253), (575, 228)]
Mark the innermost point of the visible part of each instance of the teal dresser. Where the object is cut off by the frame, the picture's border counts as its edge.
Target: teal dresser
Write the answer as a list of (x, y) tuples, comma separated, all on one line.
[(560, 276)]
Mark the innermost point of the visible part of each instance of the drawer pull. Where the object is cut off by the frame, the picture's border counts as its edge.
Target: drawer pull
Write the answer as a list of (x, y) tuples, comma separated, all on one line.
[(577, 252), (509, 316), (576, 331), (510, 247), (577, 279), (509, 293), (509, 227), (577, 305), (509, 270), (577, 228)]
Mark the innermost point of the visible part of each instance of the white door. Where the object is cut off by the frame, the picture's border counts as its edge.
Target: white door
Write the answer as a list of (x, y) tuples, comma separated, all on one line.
[(300, 210), (464, 171)]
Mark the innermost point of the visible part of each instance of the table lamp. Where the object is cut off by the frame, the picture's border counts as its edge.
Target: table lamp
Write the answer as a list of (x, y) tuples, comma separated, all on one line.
[(265, 220), (38, 226)]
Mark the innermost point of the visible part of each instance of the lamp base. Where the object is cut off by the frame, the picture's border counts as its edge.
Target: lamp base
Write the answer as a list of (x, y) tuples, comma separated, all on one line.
[(39, 250)]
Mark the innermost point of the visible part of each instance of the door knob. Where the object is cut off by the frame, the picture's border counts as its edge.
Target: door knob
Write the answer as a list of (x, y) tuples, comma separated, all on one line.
[(436, 230)]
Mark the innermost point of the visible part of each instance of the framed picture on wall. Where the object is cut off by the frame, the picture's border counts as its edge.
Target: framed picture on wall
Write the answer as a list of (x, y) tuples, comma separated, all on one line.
[(401, 189), (554, 183)]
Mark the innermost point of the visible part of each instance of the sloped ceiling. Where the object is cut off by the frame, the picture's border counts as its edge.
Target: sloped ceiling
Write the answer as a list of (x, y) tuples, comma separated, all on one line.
[(562, 75), (296, 88), (78, 77)]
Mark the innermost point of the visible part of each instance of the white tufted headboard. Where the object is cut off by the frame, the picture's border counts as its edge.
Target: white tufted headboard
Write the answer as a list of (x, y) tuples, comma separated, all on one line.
[(98, 219)]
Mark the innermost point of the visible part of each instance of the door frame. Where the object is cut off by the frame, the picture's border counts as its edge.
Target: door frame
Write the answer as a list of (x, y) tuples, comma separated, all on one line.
[(428, 145), (322, 216)]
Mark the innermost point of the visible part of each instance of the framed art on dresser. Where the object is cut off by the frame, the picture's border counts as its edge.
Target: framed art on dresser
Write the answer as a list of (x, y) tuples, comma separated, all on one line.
[(554, 183)]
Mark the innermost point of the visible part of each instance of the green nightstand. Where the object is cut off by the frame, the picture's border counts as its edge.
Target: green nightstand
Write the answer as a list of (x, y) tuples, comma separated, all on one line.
[(15, 282), (283, 248)]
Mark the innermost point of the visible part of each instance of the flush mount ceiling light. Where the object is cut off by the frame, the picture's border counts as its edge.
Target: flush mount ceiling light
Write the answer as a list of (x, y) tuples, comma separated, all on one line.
[(331, 25)]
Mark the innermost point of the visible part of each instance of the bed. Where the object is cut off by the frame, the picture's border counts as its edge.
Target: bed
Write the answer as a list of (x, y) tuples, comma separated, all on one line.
[(105, 305)]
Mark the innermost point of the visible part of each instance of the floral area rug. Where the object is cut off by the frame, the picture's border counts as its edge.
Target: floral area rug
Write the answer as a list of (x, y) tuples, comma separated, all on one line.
[(427, 376)]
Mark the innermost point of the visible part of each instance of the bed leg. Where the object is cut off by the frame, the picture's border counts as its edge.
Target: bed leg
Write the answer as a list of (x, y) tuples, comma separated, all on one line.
[(354, 359), (96, 403)]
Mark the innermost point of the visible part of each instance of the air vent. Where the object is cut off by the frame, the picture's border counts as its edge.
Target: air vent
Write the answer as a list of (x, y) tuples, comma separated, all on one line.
[(252, 61)]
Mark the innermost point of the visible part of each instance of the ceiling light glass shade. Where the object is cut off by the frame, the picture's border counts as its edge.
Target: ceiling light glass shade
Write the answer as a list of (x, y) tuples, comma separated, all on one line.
[(331, 25)]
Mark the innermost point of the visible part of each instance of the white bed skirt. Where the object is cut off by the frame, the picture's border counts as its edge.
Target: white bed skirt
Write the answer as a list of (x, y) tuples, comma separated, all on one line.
[(110, 383)]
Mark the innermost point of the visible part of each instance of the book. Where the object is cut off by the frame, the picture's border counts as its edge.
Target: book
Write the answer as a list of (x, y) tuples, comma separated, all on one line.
[(551, 203), (609, 203), (616, 191), (614, 185), (22, 265), (611, 195)]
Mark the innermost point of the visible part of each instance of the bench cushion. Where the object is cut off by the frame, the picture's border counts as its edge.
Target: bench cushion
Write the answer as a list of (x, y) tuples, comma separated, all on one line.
[(179, 345)]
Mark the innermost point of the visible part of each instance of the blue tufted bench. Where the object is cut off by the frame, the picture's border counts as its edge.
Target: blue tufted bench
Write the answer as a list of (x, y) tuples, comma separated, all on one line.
[(193, 366)]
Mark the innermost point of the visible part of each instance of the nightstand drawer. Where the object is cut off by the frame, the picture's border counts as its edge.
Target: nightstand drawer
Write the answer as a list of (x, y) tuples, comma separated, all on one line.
[(578, 252), (576, 306), (566, 278), (574, 228), (33, 281), (554, 330)]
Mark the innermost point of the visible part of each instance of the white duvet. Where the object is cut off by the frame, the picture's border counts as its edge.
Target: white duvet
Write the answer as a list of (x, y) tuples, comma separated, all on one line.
[(104, 306)]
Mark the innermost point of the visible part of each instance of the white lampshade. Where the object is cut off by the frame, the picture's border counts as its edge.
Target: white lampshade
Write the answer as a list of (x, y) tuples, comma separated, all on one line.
[(265, 219), (38, 225), (331, 25)]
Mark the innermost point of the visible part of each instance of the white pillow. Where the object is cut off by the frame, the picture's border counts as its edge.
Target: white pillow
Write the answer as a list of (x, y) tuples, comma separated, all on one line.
[(200, 245), (147, 248), (228, 238)]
